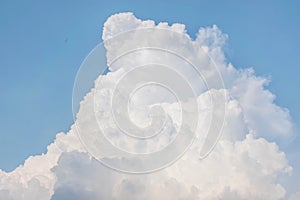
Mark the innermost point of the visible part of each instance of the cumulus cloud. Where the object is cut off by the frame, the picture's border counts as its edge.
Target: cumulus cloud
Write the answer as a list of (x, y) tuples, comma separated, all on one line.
[(245, 163)]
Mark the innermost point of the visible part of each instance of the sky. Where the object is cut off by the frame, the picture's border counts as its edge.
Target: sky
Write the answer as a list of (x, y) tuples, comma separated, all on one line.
[(43, 44)]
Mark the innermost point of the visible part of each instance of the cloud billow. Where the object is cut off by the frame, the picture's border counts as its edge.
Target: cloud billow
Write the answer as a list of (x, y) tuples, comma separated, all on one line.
[(244, 164)]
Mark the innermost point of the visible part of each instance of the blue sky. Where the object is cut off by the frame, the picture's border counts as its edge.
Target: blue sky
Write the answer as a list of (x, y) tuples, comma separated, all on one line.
[(44, 42)]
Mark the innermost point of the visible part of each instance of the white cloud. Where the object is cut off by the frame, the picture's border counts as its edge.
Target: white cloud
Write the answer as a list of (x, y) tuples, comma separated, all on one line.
[(295, 196), (243, 165)]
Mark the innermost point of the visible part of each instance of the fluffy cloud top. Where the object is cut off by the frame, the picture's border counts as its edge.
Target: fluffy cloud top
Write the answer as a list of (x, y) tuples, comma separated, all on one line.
[(245, 163)]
